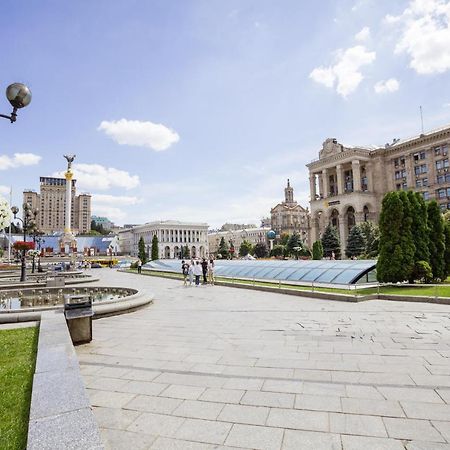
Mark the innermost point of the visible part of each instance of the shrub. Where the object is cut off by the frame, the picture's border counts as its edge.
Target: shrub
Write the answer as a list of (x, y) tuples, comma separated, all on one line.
[(422, 272), (317, 250)]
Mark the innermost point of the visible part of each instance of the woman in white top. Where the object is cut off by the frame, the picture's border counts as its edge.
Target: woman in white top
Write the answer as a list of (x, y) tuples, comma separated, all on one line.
[(197, 272)]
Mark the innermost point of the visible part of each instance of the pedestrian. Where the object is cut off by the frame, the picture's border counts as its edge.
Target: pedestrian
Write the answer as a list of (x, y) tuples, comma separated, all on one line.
[(185, 271), (139, 265), (197, 273), (333, 256), (205, 270), (211, 272), (191, 272)]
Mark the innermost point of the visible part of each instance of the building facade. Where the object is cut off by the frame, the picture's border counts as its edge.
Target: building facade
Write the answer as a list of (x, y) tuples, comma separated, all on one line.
[(289, 217), (172, 236), (51, 204), (104, 222), (347, 184), (236, 237)]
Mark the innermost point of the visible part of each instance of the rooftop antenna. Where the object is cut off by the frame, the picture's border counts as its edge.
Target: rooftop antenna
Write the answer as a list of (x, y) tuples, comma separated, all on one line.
[(421, 117)]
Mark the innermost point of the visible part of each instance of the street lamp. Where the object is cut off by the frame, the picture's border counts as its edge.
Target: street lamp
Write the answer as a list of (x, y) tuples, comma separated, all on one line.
[(27, 223), (19, 96)]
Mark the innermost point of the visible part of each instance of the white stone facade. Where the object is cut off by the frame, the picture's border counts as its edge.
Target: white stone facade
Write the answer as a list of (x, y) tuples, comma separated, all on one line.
[(172, 236), (236, 237)]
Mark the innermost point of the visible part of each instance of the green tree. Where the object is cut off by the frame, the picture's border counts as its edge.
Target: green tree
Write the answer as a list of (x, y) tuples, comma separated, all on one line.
[(371, 234), (330, 242), (223, 250), (260, 250), (447, 249), (419, 227), (245, 248), (141, 250), (317, 250), (284, 238), (278, 250), (356, 243), (155, 251), (437, 240), (186, 252), (294, 244), (396, 259)]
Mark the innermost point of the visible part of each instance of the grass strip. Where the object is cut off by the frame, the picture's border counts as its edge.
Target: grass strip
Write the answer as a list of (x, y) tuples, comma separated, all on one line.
[(18, 349)]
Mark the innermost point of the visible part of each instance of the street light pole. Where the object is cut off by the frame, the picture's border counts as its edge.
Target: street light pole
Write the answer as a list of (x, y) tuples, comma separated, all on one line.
[(19, 96)]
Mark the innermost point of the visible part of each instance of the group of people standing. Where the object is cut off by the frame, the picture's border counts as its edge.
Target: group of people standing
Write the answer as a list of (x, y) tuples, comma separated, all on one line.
[(195, 269)]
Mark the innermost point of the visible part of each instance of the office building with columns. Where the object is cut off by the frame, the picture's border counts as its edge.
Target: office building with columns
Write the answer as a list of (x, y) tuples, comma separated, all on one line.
[(347, 184), (289, 217), (172, 236)]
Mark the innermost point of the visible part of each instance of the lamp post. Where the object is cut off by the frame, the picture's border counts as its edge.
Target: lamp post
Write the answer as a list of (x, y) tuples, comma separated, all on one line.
[(27, 222), (36, 239), (19, 96)]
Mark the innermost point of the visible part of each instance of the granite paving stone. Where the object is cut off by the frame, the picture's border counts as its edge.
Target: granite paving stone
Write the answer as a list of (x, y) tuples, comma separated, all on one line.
[(253, 415), (255, 437), (310, 440), (239, 359), (126, 440)]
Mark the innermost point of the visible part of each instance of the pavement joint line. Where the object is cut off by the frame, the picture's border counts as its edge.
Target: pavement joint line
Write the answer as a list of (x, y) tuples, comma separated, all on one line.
[(251, 377)]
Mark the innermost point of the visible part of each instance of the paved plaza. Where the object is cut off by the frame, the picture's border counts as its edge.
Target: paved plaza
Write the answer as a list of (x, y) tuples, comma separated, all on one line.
[(221, 368)]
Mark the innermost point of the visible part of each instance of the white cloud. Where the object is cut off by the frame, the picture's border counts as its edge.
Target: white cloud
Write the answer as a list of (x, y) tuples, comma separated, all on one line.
[(425, 35), (384, 86), (4, 190), (363, 35), (345, 74), (96, 176), (18, 160), (111, 206), (141, 134)]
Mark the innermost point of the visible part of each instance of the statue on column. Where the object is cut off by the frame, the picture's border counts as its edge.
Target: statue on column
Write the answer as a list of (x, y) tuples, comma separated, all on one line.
[(70, 159)]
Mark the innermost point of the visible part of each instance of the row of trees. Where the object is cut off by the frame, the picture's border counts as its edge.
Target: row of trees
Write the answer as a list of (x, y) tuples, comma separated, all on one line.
[(142, 251), (414, 239), (228, 251), (363, 241)]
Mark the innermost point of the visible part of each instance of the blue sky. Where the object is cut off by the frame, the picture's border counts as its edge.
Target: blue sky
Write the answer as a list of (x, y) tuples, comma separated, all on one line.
[(200, 110)]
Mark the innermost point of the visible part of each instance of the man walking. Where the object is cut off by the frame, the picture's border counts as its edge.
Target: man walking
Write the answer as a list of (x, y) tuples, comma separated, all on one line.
[(197, 273), (139, 265), (185, 271), (205, 270)]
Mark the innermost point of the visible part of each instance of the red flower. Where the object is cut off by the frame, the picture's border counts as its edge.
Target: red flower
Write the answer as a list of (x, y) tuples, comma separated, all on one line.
[(22, 245)]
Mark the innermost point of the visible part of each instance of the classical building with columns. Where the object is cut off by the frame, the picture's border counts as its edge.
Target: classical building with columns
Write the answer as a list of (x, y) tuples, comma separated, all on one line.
[(172, 236), (347, 184), (289, 217)]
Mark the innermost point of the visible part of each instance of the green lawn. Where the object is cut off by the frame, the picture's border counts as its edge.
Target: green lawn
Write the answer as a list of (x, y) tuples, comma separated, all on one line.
[(419, 290), (17, 360)]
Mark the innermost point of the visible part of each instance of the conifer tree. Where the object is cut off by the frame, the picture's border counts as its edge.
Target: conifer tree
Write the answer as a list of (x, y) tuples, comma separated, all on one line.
[(293, 244), (356, 244), (407, 238), (223, 250), (371, 234), (330, 242), (261, 250), (317, 250), (245, 248), (141, 250), (396, 256), (155, 252), (419, 227), (437, 240), (447, 249)]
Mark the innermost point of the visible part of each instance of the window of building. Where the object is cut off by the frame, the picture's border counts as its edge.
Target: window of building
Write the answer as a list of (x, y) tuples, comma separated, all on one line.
[(442, 163), (400, 161), (418, 156), (420, 169), (426, 195), (441, 193), (443, 207)]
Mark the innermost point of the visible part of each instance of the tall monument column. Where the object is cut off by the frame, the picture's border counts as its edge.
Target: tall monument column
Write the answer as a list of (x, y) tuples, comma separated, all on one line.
[(68, 240)]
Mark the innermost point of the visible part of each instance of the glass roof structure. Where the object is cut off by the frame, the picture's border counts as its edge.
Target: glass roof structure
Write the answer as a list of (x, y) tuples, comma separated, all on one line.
[(308, 271)]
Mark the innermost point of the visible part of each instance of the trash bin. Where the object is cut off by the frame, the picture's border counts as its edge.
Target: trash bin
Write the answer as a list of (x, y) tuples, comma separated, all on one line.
[(78, 312)]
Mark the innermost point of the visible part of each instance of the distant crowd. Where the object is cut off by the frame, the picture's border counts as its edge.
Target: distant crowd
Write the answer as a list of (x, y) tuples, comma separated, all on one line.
[(194, 269)]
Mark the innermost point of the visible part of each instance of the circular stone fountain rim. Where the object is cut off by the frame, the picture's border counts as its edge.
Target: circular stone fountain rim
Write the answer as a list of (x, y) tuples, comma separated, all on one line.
[(55, 307)]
